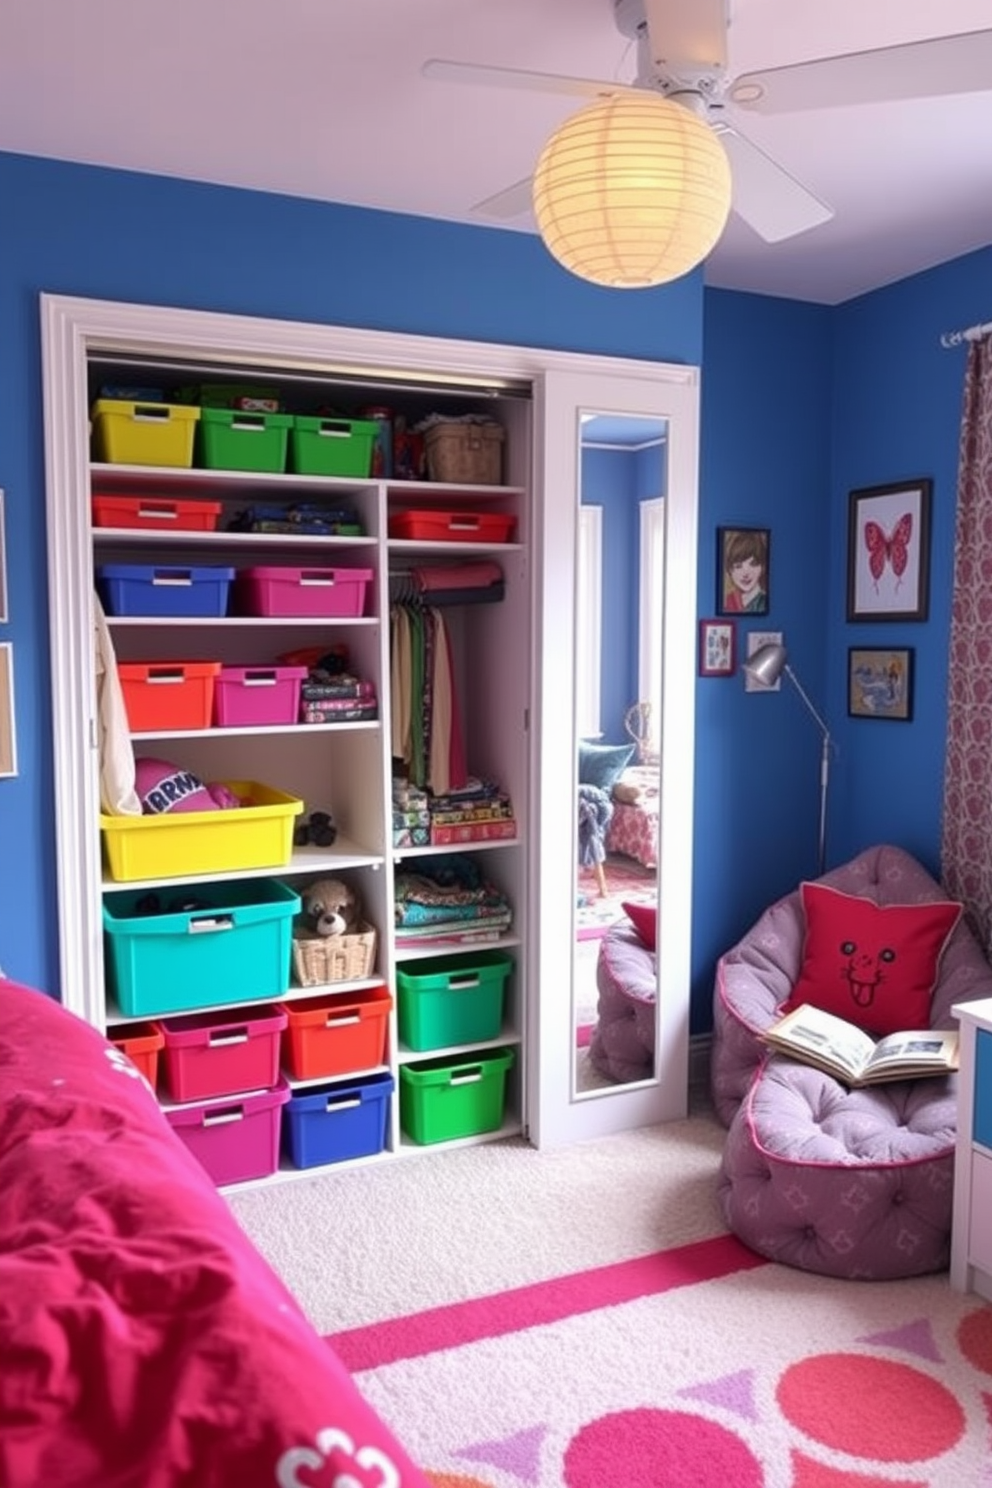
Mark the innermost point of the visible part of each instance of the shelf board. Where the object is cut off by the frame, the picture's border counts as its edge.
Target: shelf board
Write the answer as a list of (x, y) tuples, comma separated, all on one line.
[(486, 844), (298, 730), (235, 622), (448, 1051), (175, 480), (156, 537), (344, 854), (411, 545), (441, 947)]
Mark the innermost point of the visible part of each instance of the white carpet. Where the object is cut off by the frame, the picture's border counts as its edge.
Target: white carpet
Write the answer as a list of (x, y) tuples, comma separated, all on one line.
[(367, 1243)]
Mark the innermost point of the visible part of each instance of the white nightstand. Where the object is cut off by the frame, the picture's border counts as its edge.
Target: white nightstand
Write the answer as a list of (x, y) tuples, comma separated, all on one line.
[(971, 1231)]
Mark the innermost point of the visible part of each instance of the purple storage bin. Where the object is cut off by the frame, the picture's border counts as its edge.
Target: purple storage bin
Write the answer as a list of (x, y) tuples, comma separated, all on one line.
[(303, 591), (213, 1054), (246, 696), (143, 589), (235, 1138)]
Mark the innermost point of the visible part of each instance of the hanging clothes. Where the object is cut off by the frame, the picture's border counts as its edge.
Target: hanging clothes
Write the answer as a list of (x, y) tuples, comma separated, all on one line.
[(426, 728), (118, 796)]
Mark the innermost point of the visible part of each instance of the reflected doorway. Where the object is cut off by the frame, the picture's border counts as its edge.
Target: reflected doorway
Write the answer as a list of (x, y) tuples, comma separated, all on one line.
[(620, 569)]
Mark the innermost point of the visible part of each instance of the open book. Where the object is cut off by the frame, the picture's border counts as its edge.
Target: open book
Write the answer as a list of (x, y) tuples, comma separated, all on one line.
[(844, 1050)]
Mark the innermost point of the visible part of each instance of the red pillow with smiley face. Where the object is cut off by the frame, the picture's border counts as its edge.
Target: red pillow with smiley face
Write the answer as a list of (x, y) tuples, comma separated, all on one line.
[(874, 964)]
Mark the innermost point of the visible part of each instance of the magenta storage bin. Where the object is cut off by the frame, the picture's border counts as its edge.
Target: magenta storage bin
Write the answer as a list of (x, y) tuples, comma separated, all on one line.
[(236, 1137), (210, 1054), (247, 696), (303, 591)]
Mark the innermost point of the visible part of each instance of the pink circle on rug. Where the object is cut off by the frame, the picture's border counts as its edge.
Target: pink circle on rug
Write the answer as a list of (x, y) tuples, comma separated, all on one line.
[(870, 1408), (806, 1473), (659, 1449), (975, 1339)]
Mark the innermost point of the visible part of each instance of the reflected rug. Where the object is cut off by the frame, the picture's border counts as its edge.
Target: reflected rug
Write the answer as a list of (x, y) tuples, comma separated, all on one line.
[(701, 1366)]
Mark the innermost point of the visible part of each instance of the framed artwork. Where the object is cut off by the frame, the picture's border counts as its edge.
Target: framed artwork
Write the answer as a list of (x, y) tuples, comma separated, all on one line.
[(742, 578), (4, 617), (8, 745), (755, 640), (888, 552), (717, 648), (880, 682)]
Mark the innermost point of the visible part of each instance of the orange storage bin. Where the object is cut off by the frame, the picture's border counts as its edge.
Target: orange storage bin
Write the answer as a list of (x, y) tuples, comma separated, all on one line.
[(161, 695), (452, 526), (142, 1043), (155, 514), (336, 1035)]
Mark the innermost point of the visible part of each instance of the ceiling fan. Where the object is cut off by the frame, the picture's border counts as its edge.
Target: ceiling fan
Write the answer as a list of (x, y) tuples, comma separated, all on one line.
[(682, 54)]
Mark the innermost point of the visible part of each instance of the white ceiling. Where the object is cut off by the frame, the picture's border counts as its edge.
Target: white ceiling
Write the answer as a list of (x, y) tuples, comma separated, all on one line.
[(324, 99)]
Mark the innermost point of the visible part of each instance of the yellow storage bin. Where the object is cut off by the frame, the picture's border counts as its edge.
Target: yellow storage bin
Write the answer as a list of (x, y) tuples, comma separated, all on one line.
[(143, 433), (192, 842)]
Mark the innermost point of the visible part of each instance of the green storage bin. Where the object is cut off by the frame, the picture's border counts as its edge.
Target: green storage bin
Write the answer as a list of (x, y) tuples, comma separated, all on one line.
[(447, 1000), (332, 446), (441, 1100), (233, 439), (233, 945)]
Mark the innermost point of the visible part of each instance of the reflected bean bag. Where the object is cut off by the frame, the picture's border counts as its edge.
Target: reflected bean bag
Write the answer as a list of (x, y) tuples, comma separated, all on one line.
[(853, 1183), (622, 1044)]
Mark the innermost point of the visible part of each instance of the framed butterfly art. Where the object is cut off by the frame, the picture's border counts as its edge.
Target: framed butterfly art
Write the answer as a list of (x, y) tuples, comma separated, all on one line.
[(888, 552)]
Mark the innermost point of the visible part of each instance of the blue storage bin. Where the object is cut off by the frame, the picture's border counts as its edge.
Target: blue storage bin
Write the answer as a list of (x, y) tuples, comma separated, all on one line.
[(231, 943), (143, 589), (335, 1123)]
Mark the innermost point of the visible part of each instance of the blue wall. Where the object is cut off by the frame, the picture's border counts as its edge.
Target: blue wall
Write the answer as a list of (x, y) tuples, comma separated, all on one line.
[(121, 236), (609, 481), (800, 404)]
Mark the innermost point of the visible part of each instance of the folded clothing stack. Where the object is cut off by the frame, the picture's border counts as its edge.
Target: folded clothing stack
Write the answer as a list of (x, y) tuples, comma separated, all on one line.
[(449, 900)]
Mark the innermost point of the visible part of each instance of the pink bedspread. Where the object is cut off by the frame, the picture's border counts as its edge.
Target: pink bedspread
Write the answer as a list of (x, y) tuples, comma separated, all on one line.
[(144, 1343)]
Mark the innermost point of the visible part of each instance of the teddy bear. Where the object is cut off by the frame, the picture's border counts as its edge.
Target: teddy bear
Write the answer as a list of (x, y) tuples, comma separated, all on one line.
[(330, 907)]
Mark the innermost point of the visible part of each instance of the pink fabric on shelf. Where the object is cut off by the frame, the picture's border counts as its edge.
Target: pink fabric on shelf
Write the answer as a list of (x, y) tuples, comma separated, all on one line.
[(458, 576)]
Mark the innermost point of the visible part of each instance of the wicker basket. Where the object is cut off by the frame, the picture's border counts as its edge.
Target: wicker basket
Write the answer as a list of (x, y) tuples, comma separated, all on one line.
[(318, 959), (468, 454)]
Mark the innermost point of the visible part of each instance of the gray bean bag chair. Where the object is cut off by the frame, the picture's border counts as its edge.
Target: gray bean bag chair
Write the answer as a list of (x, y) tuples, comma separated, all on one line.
[(845, 1182)]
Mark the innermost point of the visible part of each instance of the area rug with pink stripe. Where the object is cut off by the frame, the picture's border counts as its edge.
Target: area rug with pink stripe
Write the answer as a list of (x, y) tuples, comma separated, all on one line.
[(700, 1366)]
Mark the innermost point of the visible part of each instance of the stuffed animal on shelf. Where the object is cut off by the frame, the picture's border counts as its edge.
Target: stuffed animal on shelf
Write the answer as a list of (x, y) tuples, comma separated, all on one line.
[(316, 830), (330, 907)]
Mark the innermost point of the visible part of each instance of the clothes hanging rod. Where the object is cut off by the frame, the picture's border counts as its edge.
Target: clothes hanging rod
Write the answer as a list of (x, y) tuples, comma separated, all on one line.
[(971, 333)]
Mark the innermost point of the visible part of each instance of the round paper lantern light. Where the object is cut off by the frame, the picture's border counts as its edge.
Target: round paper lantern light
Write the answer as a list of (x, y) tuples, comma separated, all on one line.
[(633, 190)]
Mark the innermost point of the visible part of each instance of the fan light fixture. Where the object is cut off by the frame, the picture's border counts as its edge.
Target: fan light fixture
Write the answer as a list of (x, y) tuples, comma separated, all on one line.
[(633, 190)]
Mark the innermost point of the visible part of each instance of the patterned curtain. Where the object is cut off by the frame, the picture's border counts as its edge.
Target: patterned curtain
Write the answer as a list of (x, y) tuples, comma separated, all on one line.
[(966, 846)]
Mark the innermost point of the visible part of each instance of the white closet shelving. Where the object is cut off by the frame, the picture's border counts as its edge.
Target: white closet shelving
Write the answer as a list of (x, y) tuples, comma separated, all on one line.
[(344, 768)]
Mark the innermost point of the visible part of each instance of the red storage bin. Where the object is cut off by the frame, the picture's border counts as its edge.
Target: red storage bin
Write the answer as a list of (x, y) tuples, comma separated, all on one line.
[(142, 1043), (155, 514), (253, 696), (168, 694), (336, 1035), (209, 1054), (303, 591), (452, 526), (235, 1139)]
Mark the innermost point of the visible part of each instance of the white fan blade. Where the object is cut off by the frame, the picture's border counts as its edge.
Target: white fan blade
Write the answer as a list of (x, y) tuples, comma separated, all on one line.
[(514, 201), (918, 69), (480, 75), (692, 36), (771, 201)]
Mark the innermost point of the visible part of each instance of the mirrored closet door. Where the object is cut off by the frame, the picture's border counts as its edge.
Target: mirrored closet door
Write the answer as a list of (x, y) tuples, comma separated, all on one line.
[(614, 1007)]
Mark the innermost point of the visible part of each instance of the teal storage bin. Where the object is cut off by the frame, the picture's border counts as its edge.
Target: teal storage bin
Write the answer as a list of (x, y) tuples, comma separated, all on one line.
[(177, 948), (447, 1000)]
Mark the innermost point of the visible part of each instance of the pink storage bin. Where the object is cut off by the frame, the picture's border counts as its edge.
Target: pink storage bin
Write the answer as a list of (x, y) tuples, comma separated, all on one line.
[(303, 591), (251, 696), (235, 1138), (210, 1054)]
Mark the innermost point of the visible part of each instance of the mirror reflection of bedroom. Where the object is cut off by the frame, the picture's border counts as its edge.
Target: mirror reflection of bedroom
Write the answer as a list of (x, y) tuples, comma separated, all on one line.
[(618, 666)]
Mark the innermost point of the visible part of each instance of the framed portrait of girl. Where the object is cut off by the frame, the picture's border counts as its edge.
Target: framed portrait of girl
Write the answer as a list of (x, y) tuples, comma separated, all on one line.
[(742, 581)]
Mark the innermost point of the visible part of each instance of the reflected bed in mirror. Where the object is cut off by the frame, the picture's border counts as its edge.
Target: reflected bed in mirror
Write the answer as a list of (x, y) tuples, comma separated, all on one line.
[(618, 674)]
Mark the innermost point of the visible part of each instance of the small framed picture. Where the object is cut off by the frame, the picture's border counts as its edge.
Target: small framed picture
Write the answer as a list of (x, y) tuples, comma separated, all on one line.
[(742, 578), (717, 648), (8, 743), (880, 682), (888, 552)]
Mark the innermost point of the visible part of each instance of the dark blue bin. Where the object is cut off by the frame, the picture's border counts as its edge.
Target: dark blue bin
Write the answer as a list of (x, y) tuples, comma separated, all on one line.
[(337, 1122), (143, 589)]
